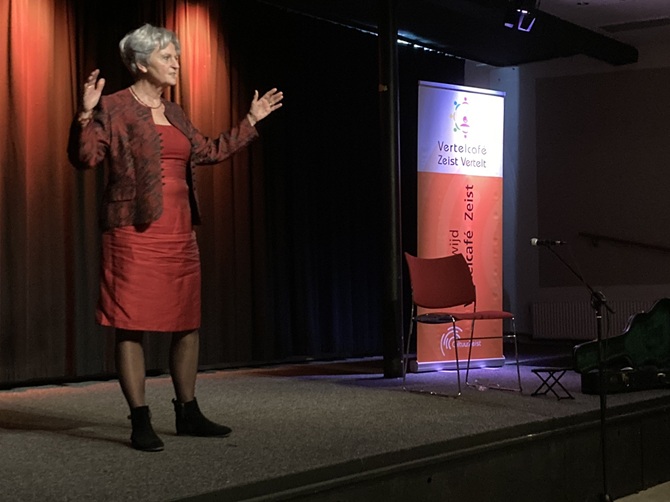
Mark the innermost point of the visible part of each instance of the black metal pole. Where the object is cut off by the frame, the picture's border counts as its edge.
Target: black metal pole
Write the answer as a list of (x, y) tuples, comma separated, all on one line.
[(598, 302), (392, 322)]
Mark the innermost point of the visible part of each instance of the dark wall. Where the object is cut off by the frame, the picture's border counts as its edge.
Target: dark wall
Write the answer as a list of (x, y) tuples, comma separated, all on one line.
[(602, 155)]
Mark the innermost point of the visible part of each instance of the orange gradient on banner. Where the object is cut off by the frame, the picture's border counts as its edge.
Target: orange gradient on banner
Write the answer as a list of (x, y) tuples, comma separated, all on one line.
[(459, 214), (460, 140)]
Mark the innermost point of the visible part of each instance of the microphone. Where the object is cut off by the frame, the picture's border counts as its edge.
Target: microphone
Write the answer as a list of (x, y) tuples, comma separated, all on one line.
[(545, 242)]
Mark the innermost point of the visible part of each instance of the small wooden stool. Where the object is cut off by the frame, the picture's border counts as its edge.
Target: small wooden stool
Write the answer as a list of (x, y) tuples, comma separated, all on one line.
[(551, 377)]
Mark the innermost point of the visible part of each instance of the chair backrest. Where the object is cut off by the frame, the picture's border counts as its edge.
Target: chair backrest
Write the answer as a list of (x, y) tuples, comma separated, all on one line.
[(440, 282)]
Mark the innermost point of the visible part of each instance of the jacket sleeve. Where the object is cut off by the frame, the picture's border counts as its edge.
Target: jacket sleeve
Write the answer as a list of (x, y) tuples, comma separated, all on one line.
[(89, 145), (213, 150)]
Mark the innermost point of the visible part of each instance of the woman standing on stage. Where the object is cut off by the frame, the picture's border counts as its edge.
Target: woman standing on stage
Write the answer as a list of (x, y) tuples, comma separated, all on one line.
[(150, 264)]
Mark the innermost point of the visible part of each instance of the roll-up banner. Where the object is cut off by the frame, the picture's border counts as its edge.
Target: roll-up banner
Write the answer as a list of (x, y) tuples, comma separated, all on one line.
[(460, 168)]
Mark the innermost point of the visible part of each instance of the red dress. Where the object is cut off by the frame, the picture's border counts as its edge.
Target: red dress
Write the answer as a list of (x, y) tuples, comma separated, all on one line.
[(151, 275)]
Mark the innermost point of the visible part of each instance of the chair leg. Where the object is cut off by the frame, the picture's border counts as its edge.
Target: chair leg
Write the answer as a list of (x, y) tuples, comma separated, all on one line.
[(516, 355), (409, 341), (467, 371), (458, 366), (516, 358)]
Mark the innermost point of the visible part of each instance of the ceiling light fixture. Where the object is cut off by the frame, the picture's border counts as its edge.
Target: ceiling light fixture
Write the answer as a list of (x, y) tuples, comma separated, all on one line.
[(520, 14)]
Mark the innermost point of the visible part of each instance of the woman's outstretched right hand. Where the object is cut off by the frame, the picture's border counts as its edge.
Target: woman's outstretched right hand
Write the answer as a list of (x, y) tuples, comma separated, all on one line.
[(92, 91)]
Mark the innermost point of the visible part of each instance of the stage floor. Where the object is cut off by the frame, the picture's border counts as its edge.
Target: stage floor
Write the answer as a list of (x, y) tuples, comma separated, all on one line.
[(293, 426)]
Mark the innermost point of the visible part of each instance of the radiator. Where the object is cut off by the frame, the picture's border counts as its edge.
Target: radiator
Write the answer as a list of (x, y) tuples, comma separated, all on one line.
[(577, 320)]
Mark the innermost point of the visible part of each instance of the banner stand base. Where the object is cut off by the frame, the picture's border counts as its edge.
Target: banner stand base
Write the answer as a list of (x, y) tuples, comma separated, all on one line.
[(415, 366)]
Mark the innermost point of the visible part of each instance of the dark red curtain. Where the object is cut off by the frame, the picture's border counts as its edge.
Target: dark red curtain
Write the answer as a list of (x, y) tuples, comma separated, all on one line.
[(36, 189), (292, 226)]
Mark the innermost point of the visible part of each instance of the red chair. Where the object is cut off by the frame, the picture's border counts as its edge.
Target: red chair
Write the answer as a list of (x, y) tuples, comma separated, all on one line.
[(445, 283)]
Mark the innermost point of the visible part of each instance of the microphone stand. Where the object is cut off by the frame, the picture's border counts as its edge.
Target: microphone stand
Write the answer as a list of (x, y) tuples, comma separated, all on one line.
[(598, 303)]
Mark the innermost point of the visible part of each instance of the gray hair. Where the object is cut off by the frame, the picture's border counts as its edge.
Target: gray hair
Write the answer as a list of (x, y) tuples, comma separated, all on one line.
[(139, 44)]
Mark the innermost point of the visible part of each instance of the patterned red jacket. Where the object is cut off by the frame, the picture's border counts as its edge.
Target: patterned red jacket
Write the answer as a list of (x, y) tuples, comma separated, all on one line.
[(123, 132)]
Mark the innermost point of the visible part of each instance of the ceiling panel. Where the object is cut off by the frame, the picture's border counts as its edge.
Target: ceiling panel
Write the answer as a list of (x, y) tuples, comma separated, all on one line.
[(474, 29)]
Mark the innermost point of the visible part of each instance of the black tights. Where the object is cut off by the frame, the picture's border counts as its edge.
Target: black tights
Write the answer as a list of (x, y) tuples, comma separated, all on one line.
[(131, 367)]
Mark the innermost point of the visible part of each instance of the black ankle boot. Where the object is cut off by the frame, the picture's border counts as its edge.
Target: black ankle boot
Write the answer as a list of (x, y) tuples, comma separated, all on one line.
[(191, 422), (143, 436)]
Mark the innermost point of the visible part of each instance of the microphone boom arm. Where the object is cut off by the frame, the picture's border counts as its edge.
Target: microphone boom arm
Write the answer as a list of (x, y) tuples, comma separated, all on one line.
[(597, 297)]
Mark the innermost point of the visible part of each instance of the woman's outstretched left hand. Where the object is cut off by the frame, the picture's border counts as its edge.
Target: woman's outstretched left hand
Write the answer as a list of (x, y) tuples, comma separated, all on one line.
[(261, 108)]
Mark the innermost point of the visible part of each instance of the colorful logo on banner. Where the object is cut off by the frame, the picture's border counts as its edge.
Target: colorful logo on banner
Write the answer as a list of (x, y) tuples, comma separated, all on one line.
[(460, 146), (460, 118)]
